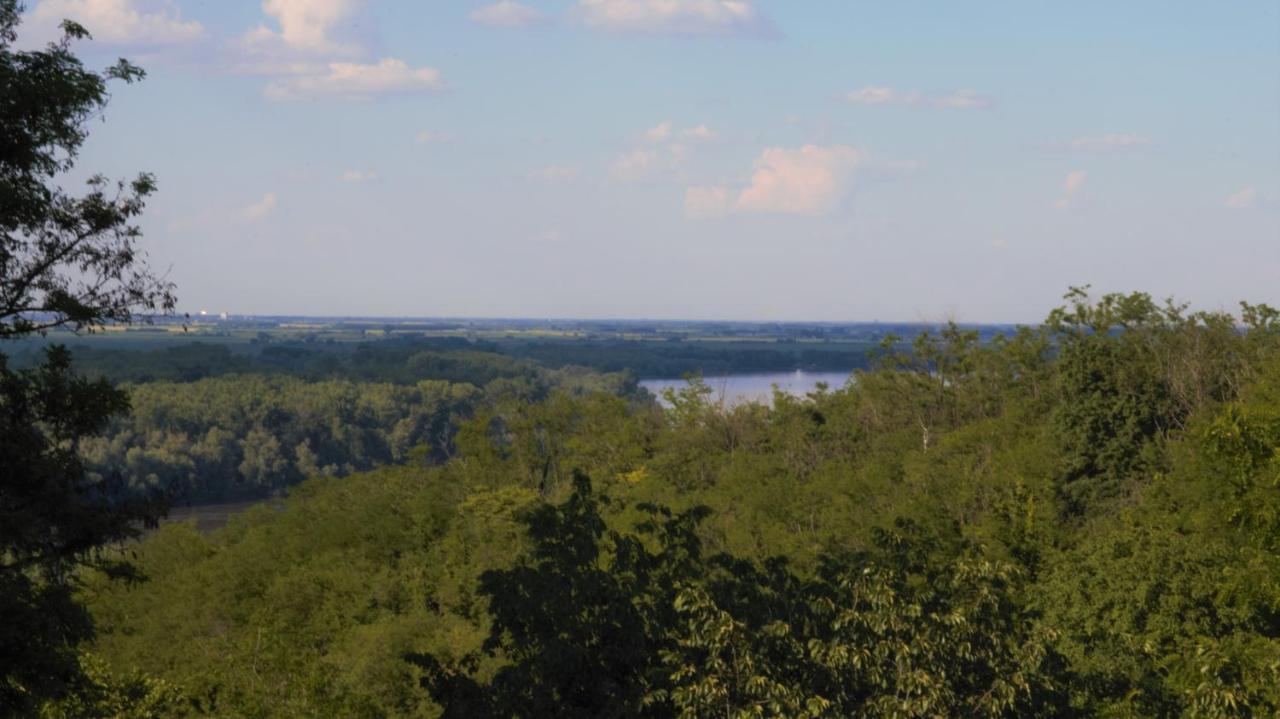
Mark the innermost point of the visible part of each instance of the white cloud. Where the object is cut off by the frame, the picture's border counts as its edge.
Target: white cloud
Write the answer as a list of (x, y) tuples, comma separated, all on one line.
[(659, 133), (1110, 141), (666, 132), (681, 17), (645, 163), (306, 25), (664, 149), (635, 165), (359, 176), (706, 202), (118, 22), (1074, 180), (960, 100), (887, 96), (873, 95), (1242, 199), (506, 13), (261, 208), (807, 181), (1071, 185), (701, 132), (351, 80), (320, 50), (554, 173)]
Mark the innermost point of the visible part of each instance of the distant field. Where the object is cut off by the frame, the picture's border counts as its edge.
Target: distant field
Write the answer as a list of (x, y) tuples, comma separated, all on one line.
[(189, 349)]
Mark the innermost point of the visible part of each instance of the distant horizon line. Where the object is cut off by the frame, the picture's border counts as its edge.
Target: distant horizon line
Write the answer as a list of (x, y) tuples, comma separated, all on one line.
[(216, 317)]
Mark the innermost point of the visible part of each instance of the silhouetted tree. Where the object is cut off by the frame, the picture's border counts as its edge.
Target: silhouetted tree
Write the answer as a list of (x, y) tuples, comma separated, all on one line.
[(65, 260)]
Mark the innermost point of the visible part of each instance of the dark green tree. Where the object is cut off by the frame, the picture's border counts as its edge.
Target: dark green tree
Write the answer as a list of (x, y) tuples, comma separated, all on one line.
[(581, 620), (598, 624), (1114, 400), (66, 260)]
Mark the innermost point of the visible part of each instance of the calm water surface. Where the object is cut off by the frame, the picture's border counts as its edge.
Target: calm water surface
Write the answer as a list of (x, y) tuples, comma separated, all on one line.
[(736, 388)]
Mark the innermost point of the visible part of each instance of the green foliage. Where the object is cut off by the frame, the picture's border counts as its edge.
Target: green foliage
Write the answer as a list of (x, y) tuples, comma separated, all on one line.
[(250, 436), (306, 609), (1130, 372), (940, 536), (53, 519), (610, 628), (406, 360), (577, 635), (1080, 519), (1172, 606), (107, 696), (70, 261)]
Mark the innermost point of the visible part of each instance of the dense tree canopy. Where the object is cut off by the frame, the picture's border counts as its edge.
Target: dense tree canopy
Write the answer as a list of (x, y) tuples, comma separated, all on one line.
[(251, 436), (940, 536)]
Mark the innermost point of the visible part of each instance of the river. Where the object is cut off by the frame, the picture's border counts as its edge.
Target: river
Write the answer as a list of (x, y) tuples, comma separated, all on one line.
[(755, 387)]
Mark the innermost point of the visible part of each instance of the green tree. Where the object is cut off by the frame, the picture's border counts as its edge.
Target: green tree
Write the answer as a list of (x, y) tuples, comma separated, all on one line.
[(595, 623), (580, 636), (264, 463), (65, 260), (68, 260)]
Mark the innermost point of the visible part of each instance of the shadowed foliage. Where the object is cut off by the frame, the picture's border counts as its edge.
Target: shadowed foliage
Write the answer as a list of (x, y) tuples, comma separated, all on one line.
[(65, 260)]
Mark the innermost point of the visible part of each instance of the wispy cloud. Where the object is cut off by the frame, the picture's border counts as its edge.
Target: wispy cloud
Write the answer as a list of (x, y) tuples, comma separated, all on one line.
[(115, 22), (675, 17), (261, 208), (700, 132), (658, 133), (1071, 185), (359, 176), (637, 165), (879, 95), (703, 202), (357, 81), (663, 149), (1242, 199), (1110, 141), (506, 13), (666, 131)]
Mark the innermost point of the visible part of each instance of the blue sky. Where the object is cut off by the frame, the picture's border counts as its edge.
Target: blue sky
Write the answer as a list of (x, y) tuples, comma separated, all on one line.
[(732, 159)]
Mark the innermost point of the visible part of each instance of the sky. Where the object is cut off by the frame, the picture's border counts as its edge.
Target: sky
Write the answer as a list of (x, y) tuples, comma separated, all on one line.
[(852, 160)]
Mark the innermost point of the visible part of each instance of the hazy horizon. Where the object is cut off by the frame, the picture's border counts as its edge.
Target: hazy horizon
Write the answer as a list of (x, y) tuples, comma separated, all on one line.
[(213, 316)]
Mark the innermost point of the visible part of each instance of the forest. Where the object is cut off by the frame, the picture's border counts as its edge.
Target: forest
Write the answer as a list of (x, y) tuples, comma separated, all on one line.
[(246, 436), (1078, 519), (213, 422), (177, 355)]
